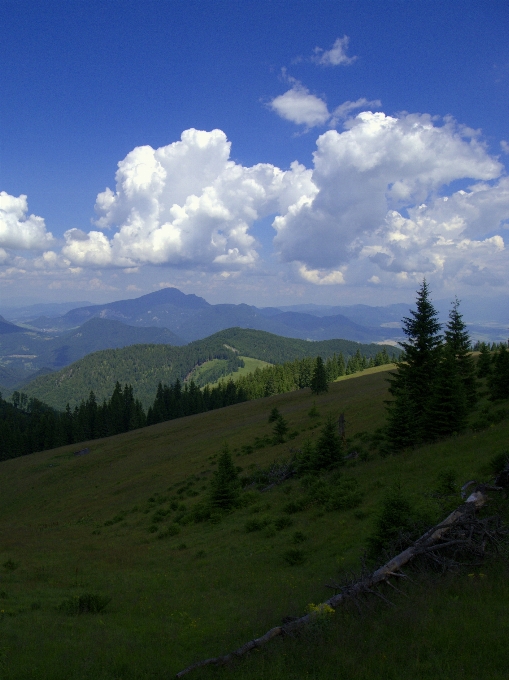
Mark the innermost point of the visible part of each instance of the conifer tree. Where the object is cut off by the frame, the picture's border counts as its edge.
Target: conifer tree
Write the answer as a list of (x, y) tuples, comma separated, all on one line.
[(484, 361), (458, 340), (498, 382), (225, 486), (414, 380), (448, 408), (328, 449), (280, 429), (319, 380)]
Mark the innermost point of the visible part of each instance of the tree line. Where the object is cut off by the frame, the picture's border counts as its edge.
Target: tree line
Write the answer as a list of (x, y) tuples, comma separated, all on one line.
[(436, 384), (28, 425)]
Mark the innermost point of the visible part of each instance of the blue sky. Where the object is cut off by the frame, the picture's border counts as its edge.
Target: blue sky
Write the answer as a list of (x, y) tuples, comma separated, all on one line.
[(270, 152)]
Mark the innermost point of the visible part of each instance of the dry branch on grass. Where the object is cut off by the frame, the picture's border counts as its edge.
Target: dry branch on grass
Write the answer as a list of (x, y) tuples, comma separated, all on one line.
[(459, 531)]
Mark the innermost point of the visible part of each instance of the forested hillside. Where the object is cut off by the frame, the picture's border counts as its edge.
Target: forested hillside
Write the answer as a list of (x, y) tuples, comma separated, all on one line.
[(144, 366)]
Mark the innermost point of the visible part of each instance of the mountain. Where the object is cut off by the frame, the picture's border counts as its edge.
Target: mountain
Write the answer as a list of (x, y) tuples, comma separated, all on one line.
[(48, 309), (192, 318), (6, 327), (144, 366), (25, 352)]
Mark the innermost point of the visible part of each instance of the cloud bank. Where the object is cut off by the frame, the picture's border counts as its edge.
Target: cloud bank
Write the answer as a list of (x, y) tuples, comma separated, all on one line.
[(375, 208)]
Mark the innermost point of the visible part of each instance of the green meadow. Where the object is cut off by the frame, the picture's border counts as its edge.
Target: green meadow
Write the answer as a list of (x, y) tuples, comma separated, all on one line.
[(114, 524)]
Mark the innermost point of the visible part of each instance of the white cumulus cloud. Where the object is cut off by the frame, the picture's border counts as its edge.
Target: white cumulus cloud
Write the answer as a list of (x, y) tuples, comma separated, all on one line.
[(336, 55), (186, 204), (299, 106), (19, 231)]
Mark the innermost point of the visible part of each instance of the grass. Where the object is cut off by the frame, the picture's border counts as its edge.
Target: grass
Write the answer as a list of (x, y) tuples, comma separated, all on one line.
[(89, 525), (250, 366)]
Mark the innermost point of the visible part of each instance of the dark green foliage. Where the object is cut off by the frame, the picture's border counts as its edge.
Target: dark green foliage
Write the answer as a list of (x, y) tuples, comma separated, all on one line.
[(329, 448), (498, 381), (294, 557), (395, 517), (87, 603), (319, 379), (313, 411), (280, 430), (274, 415), (484, 361), (256, 524), (457, 341), (144, 366), (415, 377), (283, 523), (499, 462), (225, 485), (435, 385), (10, 565), (447, 409), (447, 483)]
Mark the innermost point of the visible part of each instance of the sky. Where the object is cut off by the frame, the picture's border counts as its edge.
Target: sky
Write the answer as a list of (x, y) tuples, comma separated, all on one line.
[(268, 152)]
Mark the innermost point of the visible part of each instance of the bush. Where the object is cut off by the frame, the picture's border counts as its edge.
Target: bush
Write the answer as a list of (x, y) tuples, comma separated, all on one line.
[(294, 557), (172, 530), (396, 518), (294, 506), (499, 462), (283, 523), (87, 603), (256, 524)]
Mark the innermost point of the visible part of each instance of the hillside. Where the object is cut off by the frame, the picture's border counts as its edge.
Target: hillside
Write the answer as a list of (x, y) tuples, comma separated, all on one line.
[(144, 366), (90, 524), (26, 352)]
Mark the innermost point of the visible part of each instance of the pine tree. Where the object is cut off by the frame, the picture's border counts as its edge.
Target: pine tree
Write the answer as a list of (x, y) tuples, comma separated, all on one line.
[(280, 430), (225, 486), (499, 380), (448, 408), (414, 380), (328, 448), (319, 380), (484, 361), (458, 340)]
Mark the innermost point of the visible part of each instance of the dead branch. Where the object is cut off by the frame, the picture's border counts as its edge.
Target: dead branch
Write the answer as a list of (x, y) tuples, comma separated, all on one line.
[(429, 544)]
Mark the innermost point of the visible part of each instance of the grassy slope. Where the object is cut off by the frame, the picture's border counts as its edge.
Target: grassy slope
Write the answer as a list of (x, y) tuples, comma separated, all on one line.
[(171, 606)]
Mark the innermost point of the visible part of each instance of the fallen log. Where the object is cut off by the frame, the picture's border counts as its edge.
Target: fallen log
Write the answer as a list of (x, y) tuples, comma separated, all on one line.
[(429, 541)]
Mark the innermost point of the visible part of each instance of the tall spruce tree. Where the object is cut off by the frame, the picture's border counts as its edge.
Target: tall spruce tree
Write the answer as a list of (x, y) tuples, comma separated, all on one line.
[(498, 382), (416, 374), (448, 407), (319, 380), (225, 485), (329, 448), (458, 341)]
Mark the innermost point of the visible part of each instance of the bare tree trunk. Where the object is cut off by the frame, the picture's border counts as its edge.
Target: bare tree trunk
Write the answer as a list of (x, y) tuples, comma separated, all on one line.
[(431, 540)]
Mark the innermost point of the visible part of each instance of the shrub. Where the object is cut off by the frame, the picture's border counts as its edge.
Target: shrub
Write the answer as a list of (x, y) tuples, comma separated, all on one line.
[(283, 523), (395, 518), (87, 603), (298, 537), (172, 530), (10, 565), (294, 557), (294, 506), (498, 462), (256, 524)]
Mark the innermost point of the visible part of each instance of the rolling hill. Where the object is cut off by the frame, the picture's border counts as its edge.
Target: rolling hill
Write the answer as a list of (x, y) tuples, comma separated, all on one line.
[(144, 366), (111, 525)]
